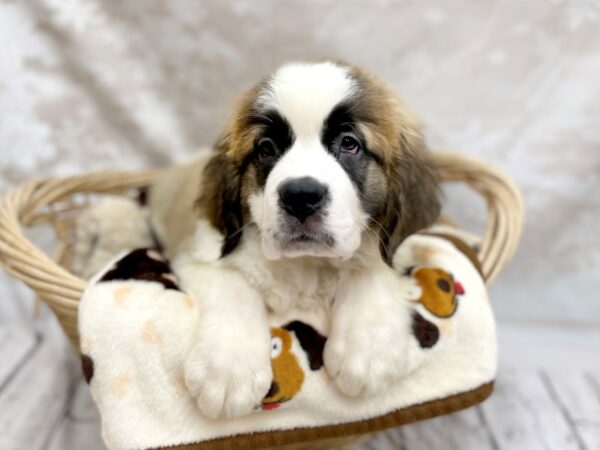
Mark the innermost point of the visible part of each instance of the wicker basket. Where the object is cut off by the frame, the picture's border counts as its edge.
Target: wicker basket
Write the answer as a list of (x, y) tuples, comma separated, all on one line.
[(57, 201)]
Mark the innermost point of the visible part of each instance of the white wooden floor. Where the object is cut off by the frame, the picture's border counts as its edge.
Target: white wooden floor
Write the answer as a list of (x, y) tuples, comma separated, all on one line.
[(547, 394)]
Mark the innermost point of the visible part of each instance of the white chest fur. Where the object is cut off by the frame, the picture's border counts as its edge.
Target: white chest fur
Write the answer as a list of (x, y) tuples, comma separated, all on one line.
[(296, 283)]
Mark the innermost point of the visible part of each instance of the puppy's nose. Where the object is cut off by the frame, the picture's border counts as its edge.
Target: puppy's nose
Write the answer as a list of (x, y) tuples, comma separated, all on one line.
[(302, 197)]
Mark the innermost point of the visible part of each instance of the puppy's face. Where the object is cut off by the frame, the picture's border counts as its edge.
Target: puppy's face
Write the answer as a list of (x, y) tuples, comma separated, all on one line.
[(320, 153)]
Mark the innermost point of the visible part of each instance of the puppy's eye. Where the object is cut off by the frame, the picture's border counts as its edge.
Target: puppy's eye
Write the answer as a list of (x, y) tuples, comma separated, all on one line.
[(267, 148), (349, 145)]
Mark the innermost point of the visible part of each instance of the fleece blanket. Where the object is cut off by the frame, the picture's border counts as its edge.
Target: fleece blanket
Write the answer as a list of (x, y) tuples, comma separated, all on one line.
[(137, 325)]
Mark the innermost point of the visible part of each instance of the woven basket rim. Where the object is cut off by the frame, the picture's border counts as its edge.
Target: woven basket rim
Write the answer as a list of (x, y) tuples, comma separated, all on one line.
[(61, 289)]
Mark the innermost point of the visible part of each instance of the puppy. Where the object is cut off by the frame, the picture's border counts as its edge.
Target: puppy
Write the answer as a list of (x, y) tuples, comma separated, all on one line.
[(318, 177)]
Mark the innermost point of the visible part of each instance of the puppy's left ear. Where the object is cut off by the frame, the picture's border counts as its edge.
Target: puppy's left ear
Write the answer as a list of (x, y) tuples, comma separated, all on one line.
[(413, 195), (219, 198)]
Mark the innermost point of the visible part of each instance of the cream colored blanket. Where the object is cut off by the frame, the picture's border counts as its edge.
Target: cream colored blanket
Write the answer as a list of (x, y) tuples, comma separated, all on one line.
[(137, 327)]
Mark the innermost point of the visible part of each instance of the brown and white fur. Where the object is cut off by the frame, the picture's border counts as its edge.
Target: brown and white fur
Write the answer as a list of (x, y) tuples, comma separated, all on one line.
[(318, 177)]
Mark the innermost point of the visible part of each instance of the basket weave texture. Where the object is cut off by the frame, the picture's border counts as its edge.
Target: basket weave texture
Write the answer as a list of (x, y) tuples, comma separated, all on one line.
[(57, 202)]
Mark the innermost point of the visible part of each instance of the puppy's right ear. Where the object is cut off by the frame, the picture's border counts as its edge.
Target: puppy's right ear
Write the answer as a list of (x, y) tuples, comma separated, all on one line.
[(219, 199)]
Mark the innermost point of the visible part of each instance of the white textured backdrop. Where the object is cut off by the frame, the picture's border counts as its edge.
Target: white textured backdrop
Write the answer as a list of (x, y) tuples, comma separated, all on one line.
[(89, 84)]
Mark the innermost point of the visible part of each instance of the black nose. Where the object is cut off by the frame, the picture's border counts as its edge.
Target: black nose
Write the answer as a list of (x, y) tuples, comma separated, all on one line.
[(302, 197)]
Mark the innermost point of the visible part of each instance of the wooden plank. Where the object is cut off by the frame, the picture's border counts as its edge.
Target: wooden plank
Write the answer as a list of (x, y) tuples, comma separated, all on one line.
[(386, 440), (35, 400), (463, 430), (83, 407), (80, 426), (535, 345), (593, 381), (575, 391), (523, 415), (16, 346), (74, 435), (17, 300)]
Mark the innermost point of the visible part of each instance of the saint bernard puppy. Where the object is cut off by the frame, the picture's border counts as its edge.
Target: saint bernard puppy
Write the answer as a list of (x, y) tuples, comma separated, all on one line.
[(318, 177)]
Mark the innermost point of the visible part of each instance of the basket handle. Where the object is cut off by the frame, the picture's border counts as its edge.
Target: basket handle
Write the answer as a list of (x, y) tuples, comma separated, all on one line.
[(61, 290), (19, 208), (504, 206)]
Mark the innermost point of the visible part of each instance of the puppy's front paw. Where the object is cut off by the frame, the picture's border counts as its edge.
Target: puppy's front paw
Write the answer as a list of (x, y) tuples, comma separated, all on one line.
[(364, 357), (228, 378)]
